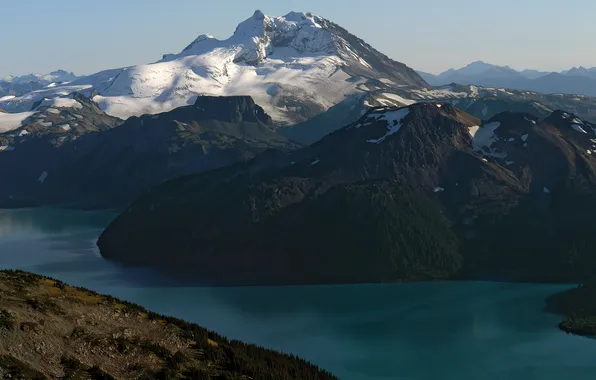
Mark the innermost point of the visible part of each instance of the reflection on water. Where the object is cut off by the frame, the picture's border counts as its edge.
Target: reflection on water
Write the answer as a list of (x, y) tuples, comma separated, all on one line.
[(47, 221), (453, 330)]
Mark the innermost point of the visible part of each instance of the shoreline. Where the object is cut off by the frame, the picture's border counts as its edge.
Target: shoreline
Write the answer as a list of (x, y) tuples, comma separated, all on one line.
[(51, 329)]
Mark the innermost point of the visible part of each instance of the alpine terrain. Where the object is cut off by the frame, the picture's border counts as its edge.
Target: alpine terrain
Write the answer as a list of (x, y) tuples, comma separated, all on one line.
[(69, 152), (295, 67), (413, 193)]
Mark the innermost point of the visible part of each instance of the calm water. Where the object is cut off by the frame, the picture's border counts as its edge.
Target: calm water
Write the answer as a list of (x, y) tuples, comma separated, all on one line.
[(462, 331)]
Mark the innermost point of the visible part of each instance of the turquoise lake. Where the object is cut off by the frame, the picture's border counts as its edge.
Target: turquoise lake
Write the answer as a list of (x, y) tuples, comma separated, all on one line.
[(441, 330)]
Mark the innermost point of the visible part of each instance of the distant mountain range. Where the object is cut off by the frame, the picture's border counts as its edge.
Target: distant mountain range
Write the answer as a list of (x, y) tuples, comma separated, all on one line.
[(58, 76), (13, 86), (578, 80)]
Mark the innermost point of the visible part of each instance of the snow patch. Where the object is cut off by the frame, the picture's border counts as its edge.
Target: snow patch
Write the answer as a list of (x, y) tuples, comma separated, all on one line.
[(524, 138), (6, 148), (398, 98), (578, 128), (394, 122), (65, 127), (53, 110), (43, 176), (315, 162), (545, 190), (12, 121), (485, 136), (439, 189), (61, 103)]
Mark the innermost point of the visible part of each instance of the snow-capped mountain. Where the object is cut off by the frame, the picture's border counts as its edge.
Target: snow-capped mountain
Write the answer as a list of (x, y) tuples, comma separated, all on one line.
[(13, 86), (58, 76), (295, 67)]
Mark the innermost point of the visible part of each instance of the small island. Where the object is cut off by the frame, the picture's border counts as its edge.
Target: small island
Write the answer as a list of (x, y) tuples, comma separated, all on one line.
[(52, 330), (578, 307)]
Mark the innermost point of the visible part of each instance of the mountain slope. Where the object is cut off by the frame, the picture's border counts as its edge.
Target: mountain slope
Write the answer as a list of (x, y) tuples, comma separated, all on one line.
[(51, 330), (295, 67), (415, 193), (49, 163), (481, 102)]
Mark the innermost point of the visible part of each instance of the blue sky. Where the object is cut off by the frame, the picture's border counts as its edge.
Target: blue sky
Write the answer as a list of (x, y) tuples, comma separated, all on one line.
[(430, 35)]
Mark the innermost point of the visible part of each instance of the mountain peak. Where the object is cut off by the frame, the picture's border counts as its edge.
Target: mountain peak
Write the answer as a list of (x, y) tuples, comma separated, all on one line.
[(233, 109), (258, 15)]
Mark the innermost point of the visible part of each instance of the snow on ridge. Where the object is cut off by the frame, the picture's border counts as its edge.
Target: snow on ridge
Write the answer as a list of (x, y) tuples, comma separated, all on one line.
[(257, 35), (578, 128), (60, 103), (398, 98), (12, 121), (25, 102), (394, 122)]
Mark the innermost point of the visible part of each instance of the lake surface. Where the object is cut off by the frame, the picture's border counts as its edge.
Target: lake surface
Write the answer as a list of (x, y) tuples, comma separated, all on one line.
[(453, 330)]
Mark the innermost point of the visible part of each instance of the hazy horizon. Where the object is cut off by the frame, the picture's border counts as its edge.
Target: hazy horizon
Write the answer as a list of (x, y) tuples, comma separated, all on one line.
[(430, 36)]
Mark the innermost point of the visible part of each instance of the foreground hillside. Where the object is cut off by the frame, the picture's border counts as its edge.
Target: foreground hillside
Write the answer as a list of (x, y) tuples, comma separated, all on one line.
[(415, 193), (51, 330)]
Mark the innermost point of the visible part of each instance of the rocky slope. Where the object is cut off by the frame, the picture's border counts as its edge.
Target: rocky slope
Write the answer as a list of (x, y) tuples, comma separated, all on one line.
[(295, 67), (51, 161), (50, 330), (421, 192), (480, 102)]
